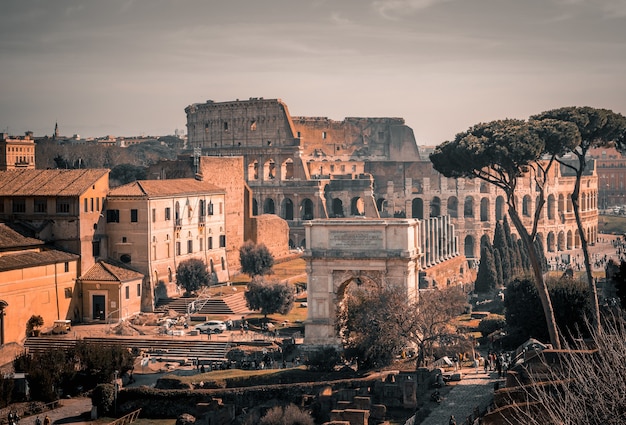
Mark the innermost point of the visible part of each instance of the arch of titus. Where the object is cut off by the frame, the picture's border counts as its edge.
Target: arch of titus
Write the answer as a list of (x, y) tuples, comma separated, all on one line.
[(382, 251)]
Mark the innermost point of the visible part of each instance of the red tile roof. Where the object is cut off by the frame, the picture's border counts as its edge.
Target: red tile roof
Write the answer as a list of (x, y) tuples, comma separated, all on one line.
[(103, 271), (160, 188), (33, 259), (48, 182), (11, 240)]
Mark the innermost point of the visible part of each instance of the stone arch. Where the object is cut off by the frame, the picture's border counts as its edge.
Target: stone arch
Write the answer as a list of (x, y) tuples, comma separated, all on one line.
[(560, 241), (337, 207), (381, 204), (468, 207), (452, 206), (500, 208), (307, 209), (287, 209), (286, 169), (253, 170), (268, 206), (551, 207), (526, 206), (417, 208), (570, 240), (357, 206), (469, 246), (435, 207), (365, 279), (269, 170), (550, 242), (484, 209)]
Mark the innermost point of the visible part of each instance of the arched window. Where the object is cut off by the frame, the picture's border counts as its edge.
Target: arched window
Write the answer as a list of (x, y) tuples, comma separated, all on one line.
[(417, 208), (468, 208)]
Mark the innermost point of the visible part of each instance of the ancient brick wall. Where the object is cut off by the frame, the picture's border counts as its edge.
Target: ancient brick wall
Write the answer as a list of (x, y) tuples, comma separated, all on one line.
[(227, 173), (272, 231)]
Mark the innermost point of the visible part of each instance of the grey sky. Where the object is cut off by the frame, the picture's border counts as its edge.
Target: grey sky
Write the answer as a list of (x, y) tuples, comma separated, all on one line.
[(129, 67)]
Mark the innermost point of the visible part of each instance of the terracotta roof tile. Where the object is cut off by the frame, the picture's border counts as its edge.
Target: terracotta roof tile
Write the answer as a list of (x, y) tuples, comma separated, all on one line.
[(103, 271), (10, 239), (48, 182), (33, 259), (170, 187)]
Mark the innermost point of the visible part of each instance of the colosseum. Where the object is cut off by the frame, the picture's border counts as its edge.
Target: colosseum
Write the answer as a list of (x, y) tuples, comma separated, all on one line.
[(304, 168)]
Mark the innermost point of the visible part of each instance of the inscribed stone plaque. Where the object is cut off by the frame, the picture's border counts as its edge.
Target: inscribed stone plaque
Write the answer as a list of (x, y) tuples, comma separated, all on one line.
[(356, 239)]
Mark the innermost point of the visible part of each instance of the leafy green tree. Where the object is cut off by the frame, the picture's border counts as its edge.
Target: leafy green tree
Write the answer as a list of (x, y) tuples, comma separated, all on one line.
[(596, 128), (192, 274), (33, 324), (486, 278), (500, 245), (523, 308), (270, 297), (501, 152), (127, 173), (255, 259)]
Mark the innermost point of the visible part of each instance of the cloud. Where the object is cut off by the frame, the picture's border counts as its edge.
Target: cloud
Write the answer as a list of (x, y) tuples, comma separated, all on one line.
[(390, 9), (336, 18)]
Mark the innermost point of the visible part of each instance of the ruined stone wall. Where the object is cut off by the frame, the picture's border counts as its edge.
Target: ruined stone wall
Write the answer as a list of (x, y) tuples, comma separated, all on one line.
[(256, 122), (227, 173), (272, 231), (356, 138)]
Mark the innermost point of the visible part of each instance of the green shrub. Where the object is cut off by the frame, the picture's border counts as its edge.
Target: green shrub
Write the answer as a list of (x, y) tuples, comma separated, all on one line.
[(323, 359), (289, 415), (103, 397), (490, 324)]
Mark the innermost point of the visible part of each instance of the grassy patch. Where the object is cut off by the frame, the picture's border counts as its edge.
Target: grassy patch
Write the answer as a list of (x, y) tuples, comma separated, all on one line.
[(612, 224)]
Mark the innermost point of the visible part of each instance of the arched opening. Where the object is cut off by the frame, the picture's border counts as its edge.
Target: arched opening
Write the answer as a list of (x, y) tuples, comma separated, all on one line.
[(307, 209), (268, 206), (417, 208), (357, 206), (381, 203), (253, 170), (570, 240), (435, 207), (288, 209), (468, 208), (561, 203), (469, 246), (550, 243), (499, 208), (484, 209), (269, 170), (526, 206), (337, 208), (561, 241), (453, 207), (286, 169), (551, 207)]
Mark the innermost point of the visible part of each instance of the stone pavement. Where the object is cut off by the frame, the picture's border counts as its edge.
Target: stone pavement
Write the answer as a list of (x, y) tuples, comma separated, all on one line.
[(462, 397)]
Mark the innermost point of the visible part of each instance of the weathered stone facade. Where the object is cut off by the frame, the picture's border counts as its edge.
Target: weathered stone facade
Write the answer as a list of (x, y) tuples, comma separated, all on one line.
[(303, 168)]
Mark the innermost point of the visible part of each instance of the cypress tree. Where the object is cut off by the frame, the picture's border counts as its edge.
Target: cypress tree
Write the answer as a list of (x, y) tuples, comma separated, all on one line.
[(486, 278), (500, 244), (498, 262)]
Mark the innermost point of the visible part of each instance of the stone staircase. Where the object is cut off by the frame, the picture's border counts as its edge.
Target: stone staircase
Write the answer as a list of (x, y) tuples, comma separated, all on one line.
[(159, 349), (219, 306)]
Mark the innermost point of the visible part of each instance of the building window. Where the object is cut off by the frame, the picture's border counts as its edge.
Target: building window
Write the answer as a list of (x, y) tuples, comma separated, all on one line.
[(63, 206), (210, 242), (189, 247), (113, 216), (19, 205), (133, 216), (41, 205), (127, 292), (169, 274), (95, 248), (139, 289), (66, 267), (86, 202), (210, 208), (97, 204), (153, 215), (168, 212), (222, 241), (92, 203), (225, 126), (177, 248), (1, 205), (68, 293), (124, 240), (323, 135)]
